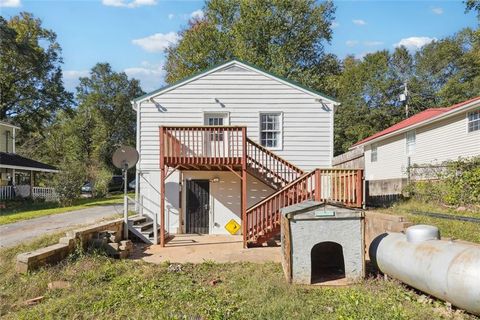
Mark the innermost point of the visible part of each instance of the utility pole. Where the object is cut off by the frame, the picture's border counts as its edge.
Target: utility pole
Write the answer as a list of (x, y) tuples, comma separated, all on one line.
[(405, 92)]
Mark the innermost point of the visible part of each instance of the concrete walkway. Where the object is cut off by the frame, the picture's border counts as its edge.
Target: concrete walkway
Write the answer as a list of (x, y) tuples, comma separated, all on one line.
[(15, 233), (189, 248)]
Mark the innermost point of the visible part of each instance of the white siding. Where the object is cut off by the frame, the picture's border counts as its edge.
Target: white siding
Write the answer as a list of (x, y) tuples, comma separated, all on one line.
[(224, 197), (391, 159), (446, 140), (4, 145), (437, 142), (307, 124)]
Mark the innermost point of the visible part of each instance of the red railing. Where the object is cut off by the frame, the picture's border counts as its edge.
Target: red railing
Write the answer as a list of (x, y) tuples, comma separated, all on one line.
[(206, 145), (270, 166), (330, 185)]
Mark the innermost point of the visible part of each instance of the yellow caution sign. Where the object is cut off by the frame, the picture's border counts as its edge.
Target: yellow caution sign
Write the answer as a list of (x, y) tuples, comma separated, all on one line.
[(232, 226)]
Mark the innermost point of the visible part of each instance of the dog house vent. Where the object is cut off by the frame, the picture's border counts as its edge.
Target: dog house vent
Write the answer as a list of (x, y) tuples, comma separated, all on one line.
[(322, 244)]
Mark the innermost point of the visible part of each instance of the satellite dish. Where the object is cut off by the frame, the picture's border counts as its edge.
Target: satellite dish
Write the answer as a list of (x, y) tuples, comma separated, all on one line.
[(125, 157)]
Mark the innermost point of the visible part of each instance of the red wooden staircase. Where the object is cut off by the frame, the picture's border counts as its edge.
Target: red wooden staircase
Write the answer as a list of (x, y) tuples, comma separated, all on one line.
[(229, 148), (293, 185)]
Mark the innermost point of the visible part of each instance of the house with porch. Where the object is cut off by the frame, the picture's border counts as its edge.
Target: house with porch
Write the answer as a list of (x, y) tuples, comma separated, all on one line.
[(225, 150), (425, 140), (19, 175)]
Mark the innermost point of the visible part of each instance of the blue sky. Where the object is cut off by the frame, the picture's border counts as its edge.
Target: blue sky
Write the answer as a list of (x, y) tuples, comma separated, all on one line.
[(131, 34)]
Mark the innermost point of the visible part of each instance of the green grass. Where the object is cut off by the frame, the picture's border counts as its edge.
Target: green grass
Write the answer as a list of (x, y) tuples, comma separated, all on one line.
[(111, 289), (23, 210), (468, 231)]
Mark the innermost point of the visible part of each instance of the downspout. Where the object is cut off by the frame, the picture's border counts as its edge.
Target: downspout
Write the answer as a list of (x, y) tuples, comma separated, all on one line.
[(137, 167)]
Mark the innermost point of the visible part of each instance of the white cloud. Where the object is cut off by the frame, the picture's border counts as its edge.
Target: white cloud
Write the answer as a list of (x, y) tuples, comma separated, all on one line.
[(335, 24), (197, 14), (437, 10), (359, 22), (171, 16), (151, 76), (129, 4), (372, 43), (70, 78), (10, 3), (351, 43), (414, 43), (157, 42)]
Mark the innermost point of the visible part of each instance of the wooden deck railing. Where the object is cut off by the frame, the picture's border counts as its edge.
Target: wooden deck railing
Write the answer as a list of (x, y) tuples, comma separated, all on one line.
[(276, 169), (202, 145), (330, 185)]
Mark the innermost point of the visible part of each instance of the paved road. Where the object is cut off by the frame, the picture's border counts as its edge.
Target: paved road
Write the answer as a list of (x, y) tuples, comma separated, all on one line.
[(26, 230)]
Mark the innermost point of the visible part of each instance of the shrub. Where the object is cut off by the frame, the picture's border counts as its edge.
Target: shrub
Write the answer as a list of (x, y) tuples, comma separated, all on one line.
[(100, 185), (68, 182), (456, 183)]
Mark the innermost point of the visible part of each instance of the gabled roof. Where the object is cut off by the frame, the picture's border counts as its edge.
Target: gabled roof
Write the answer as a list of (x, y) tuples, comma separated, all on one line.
[(419, 119), (241, 64), (14, 161)]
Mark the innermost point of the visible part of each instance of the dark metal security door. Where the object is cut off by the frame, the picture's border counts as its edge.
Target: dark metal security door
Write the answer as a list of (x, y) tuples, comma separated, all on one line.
[(198, 196)]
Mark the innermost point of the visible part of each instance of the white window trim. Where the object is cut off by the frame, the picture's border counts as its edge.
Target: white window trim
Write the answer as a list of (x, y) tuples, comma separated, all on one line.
[(374, 146), (280, 142), (225, 114), (468, 121), (409, 154)]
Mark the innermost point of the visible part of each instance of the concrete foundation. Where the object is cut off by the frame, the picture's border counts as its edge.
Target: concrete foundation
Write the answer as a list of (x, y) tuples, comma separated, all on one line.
[(378, 223)]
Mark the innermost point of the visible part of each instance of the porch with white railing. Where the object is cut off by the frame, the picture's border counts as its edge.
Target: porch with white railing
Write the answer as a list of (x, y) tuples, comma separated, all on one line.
[(6, 192), (26, 191)]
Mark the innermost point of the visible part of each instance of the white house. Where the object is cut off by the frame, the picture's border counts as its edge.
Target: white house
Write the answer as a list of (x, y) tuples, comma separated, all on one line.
[(224, 140), (430, 137), (18, 175)]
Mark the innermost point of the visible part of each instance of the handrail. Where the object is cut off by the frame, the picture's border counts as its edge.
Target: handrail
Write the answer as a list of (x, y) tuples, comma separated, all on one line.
[(202, 145), (275, 156), (280, 170), (202, 127), (153, 216), (341, 186)]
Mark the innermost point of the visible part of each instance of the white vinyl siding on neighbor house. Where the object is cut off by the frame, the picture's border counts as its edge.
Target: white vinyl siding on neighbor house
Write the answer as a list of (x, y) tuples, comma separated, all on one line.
[(307, 137), (447, 139), (391, 159), (6, 139)]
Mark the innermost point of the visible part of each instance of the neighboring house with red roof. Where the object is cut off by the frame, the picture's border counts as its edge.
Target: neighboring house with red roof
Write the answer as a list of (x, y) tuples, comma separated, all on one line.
[(432, 136)]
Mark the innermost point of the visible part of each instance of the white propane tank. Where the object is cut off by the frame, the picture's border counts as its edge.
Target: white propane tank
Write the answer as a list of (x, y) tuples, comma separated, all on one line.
[(448, 270)]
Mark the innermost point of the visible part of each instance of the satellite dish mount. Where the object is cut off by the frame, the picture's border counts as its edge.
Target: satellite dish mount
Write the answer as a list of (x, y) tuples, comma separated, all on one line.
[(125, 158)]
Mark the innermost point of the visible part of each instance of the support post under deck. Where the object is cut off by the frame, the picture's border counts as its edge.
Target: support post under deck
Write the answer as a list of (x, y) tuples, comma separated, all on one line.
[(244, 186)]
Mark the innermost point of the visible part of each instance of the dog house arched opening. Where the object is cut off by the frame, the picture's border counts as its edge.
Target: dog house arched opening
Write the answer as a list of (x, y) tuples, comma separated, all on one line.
[(327, 262)]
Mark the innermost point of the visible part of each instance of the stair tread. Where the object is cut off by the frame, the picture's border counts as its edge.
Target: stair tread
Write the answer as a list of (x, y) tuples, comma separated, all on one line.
[(144, 224)]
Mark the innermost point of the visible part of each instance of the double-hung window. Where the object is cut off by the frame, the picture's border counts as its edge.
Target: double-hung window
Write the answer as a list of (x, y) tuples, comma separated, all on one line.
[(410, 139), (374, 153), (271, 130), (474, 121)]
